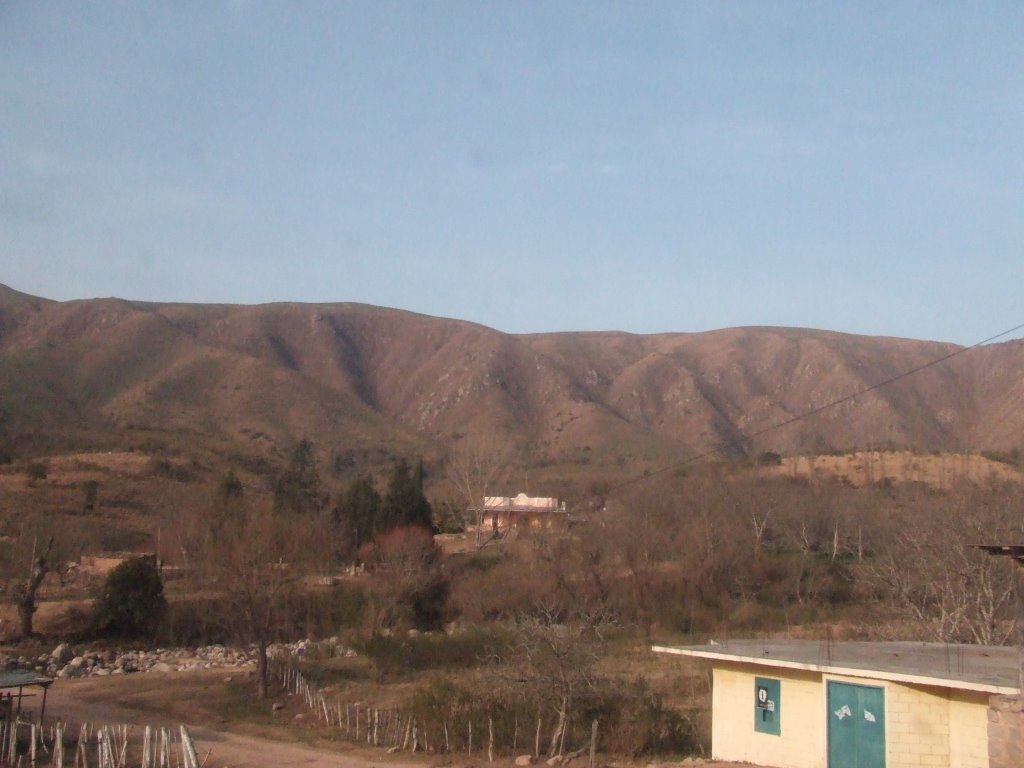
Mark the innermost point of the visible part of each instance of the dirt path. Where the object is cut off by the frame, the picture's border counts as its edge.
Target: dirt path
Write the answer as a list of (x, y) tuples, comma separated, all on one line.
[(191, 698), (85, 700)]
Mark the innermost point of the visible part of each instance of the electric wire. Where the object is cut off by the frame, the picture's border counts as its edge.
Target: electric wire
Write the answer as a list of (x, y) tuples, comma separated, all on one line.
[(809, 413)]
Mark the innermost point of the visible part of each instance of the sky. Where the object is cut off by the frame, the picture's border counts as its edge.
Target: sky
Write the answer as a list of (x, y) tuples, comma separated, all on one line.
[(532, 166)]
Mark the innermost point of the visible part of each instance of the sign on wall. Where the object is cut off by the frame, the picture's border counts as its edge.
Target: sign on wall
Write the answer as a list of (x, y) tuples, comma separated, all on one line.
[(767, 705)]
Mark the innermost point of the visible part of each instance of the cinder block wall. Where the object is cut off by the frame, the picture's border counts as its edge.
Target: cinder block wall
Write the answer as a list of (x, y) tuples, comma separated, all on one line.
[(1005, 732), (968, 729), (801, 743), (917, 726)]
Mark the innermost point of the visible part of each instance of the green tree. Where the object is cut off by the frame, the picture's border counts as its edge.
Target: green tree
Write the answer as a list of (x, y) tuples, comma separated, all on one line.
[(132, 603), (358, 513), (297, 490), (228, 501), (404, 503), (90, 490), (35, 471)]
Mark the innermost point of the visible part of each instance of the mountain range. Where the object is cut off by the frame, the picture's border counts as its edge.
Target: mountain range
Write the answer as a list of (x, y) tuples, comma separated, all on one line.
[(366, 383)]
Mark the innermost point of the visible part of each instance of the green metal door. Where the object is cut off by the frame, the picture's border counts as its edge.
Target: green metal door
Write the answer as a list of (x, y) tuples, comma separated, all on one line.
[(856, 726)]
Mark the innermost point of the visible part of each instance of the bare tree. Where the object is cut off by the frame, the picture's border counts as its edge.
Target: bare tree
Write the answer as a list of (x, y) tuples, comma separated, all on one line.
[(30, 552), (25, 588), (257, 559), (555, 659), (479, 465), (954, 592)]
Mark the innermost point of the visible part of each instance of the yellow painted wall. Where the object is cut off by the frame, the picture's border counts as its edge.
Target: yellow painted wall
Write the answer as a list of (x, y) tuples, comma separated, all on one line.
[(925, 727), (801, 743), (968, 729)]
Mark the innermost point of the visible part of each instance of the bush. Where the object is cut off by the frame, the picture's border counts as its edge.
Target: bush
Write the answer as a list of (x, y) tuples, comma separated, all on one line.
[(36, 471), (632, 719), (391, 655), (132, 603)]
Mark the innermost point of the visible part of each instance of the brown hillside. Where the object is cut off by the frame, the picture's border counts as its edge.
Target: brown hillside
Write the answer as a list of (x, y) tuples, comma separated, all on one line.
[(248, 381)]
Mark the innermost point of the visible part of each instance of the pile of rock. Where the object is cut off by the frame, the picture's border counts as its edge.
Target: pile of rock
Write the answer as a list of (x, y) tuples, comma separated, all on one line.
[(64, 661), (329, 648)]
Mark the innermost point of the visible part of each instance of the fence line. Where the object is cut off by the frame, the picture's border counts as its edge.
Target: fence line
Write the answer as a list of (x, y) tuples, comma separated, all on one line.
[(24, 744), (388, 728)]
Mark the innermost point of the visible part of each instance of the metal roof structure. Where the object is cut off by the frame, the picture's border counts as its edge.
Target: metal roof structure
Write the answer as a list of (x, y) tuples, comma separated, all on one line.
[(1015, 551), (988, 669), (22, 678)]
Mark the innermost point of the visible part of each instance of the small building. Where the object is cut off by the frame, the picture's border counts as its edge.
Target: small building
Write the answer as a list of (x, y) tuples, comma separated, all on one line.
[(811, 704), (502, 513)]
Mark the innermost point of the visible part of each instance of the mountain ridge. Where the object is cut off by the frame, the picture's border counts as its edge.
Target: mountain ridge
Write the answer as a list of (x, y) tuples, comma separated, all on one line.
[(253, 379)]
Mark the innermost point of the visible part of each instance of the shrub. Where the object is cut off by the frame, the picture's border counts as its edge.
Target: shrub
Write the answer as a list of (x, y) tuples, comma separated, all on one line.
[(393, 654), (409, 588), (633, 720), (132, 603), (36, 471)]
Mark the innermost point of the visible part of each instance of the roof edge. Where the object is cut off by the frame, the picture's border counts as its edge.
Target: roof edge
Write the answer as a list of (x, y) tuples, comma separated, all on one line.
[(878, 674)]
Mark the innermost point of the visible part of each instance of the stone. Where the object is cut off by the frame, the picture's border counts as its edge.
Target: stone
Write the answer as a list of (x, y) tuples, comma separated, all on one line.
[(76, 662), (556, 760), (161, 666), (524, 760), (277, 706)]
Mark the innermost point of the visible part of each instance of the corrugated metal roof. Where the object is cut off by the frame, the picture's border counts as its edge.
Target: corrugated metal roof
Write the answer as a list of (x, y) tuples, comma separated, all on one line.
[(18, 678)]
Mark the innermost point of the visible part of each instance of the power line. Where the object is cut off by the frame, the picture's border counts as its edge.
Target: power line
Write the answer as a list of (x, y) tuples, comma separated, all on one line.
[(814, 411)]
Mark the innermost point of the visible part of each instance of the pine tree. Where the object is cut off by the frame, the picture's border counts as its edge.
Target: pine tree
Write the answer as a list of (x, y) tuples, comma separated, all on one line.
[(297, 489), (359, 511), (404, 503)]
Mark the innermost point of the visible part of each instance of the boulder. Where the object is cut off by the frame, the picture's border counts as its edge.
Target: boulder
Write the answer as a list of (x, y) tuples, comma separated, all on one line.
[(524, 760)]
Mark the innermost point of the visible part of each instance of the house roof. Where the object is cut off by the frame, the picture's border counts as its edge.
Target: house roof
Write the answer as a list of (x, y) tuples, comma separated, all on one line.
[(982, 668), (520, 503)]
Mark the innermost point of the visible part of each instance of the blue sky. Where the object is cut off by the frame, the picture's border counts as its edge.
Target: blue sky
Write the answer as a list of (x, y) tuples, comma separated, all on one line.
[(531, 166)]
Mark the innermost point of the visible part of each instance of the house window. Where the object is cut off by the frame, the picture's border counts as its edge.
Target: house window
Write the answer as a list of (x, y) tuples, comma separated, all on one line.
[(767, 705)]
